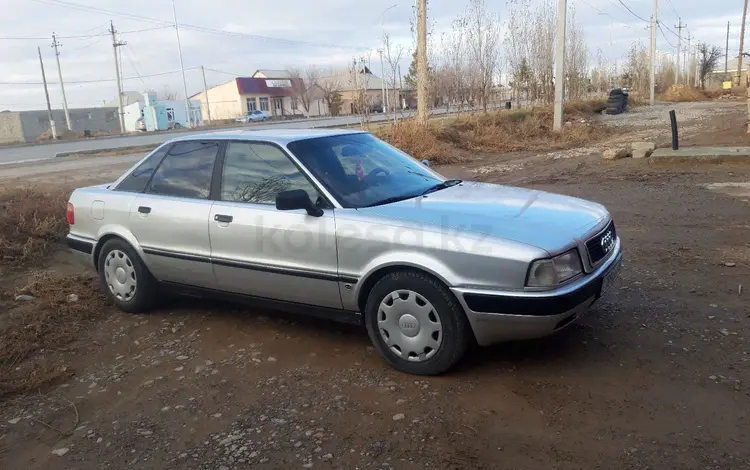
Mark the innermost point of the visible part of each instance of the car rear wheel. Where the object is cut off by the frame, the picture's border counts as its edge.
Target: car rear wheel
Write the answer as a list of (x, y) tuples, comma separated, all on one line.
[(416, 323), (125, 278)]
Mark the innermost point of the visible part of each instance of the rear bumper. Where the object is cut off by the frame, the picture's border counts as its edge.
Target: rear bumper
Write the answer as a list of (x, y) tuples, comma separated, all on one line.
[(82, 247), (505, 316)]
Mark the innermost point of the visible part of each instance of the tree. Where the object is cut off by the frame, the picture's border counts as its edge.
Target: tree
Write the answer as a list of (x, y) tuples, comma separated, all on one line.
[(392, 55), (304, 84), (483, 35), (168, 94), (411, 77), (708, 59), (329, 83)]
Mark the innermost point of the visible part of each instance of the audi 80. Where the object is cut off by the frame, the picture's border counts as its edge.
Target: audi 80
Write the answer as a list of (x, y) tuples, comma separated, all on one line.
[(340, 224)]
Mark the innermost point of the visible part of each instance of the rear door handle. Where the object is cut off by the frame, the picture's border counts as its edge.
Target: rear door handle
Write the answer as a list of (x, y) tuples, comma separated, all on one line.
[(144, 210), (223, 218)]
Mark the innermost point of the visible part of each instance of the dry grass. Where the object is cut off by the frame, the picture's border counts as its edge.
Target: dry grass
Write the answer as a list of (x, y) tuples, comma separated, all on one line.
[(32, 220), (31, 330), (684, 93), (449, 140)]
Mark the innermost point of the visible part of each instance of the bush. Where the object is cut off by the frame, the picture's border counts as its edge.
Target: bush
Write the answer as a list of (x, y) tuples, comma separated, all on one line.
[(32, 220)]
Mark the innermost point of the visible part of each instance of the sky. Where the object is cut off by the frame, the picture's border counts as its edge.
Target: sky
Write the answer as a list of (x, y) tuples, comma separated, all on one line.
[(237, 37)]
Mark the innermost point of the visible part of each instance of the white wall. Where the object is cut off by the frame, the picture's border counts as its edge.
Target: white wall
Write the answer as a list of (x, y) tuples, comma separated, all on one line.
[(178, 113), (131, 114)]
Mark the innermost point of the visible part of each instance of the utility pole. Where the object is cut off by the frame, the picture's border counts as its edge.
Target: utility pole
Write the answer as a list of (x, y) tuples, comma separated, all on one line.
[(382, 82), (205, 93), (400, 88), (55, 45), (182, 65), (422, 70), (652, 79), (726, 54), (46, 94), (679, 27), (687, 64), (742, 44), (557, 123), (115, 45)]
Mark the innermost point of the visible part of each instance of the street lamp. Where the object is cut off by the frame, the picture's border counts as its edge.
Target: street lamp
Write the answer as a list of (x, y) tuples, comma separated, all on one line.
[(382, 68)]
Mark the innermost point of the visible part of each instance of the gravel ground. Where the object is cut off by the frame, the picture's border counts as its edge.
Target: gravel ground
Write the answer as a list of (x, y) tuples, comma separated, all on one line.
[(656, 376)]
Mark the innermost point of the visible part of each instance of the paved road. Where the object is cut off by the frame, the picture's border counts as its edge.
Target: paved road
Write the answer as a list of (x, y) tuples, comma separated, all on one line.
[(44, 151)]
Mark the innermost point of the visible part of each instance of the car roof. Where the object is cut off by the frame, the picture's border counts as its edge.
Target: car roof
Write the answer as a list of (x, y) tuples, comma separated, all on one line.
[(278, 136)]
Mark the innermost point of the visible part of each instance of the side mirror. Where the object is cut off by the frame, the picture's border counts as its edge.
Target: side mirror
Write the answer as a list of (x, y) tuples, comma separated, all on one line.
[(426, 163), (297, 199)]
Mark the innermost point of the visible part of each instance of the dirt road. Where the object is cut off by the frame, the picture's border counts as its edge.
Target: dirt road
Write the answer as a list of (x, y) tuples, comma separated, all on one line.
[(656, 376)]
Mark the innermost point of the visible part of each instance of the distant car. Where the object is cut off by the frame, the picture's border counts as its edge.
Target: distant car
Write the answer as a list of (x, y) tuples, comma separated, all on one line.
[(253, 116), (140, 124), (338, 223), (376, 108), (174, 125)]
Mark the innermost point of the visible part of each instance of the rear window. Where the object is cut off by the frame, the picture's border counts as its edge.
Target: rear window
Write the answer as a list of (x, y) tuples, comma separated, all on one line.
[(136, 181), (186, 171)]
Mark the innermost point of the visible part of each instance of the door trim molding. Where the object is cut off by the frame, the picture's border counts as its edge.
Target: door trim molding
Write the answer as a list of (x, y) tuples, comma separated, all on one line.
[(321, 275)]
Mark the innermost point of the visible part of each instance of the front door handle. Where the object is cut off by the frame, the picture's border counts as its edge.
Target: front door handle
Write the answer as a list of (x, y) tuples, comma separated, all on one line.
[(223, 218), (144, 210)]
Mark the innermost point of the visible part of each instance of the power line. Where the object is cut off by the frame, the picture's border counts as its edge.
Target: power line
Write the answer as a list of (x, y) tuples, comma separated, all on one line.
[(101, 80), (83, 36), (632, 12), (627, 25), (665, 36), (673, 8), (92, 9)]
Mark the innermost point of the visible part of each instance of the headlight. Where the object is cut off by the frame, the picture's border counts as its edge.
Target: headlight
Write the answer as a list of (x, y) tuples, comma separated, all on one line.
[(551, 272)]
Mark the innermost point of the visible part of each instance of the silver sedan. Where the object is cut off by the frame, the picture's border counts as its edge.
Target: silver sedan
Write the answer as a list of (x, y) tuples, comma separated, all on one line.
[(342, 225)]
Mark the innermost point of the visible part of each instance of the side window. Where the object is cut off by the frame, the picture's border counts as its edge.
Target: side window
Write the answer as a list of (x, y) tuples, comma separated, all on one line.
[(258, 172), (186, 171), (136, 181)]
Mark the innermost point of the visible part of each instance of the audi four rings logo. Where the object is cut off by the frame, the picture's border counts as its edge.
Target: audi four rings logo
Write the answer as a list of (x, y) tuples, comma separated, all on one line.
[(608, 242)]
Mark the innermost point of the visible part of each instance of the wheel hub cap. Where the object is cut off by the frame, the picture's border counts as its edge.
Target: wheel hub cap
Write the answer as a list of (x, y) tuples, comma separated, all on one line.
[(119, 273), (409, 325)]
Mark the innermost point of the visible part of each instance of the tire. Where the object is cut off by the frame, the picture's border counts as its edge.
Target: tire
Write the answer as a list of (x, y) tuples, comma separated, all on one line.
[(134, 288), (442, 333), (177, 125)]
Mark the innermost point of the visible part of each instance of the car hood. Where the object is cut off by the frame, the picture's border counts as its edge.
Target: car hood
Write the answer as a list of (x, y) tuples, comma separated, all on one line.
[(549, 221)]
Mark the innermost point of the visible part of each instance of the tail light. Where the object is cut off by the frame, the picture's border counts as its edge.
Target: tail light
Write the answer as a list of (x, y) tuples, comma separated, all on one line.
[(70, 214)]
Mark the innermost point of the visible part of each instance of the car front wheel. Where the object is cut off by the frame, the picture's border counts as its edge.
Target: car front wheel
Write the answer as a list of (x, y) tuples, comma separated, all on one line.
[(416, 323), (125, 278)]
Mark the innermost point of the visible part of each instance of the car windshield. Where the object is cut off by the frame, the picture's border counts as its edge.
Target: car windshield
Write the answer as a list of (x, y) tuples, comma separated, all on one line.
[(360, 170)]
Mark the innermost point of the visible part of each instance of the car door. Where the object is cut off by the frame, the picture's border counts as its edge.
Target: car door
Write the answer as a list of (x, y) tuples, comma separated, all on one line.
[(260, 251), (170, 219)]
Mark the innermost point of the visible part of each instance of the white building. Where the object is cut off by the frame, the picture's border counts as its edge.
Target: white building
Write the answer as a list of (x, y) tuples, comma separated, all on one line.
[(175, 113)]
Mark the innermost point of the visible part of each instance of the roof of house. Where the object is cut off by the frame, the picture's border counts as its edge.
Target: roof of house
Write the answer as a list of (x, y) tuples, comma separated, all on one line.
[(343, 78), (128, 97), (269, 73), (260, 86)]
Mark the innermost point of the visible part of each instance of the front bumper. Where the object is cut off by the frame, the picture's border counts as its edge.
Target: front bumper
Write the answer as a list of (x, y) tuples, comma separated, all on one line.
[(497, 316)]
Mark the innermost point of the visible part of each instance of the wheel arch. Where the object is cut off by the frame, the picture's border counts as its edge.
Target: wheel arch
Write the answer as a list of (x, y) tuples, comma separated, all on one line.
[(365, 285), (110, 232)]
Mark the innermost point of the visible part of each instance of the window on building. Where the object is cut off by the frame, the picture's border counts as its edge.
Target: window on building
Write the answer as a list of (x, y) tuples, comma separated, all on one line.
[(258, 172), (263, 103), (170, 114), (294, 104), (110, 115), (186, 171), (136, 181), (278, 106), (251, 105)]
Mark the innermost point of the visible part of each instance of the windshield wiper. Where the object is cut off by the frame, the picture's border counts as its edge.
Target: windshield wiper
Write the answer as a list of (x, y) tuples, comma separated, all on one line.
[(443, 185), (392, 199)]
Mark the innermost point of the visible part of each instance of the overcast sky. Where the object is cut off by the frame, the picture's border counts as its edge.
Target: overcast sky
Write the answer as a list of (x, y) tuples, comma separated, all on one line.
[(326, 33)]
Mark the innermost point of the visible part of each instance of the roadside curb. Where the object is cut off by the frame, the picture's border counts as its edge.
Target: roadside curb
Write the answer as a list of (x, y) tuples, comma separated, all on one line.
[(701, 154), (112, 150)]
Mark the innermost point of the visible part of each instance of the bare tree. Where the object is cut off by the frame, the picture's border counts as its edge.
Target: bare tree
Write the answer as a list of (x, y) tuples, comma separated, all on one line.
[(483, 35), (330, 84), (392, 53), (358, 83), (708, 59), (637, 69), (576, 59), (304, 85)]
